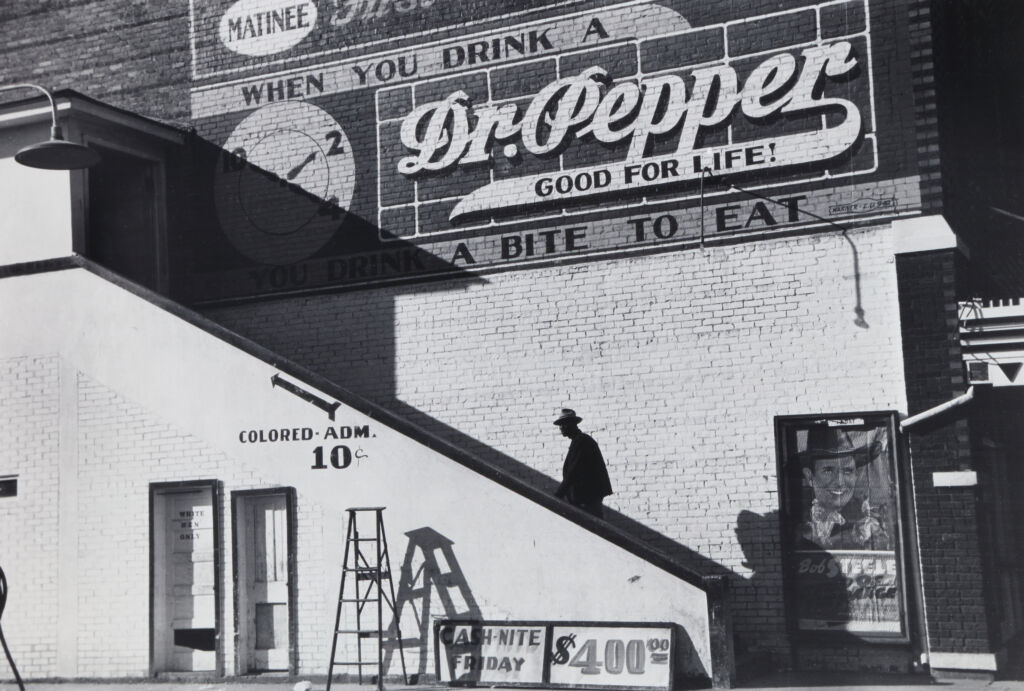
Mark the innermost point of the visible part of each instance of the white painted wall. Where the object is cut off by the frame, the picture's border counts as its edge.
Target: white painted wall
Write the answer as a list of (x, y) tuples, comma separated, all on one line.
[(35, 213), (678, 363), (517, 559)]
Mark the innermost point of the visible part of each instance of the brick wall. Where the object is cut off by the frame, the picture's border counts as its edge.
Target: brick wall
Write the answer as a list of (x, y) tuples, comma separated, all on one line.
[(926, 116), (29, 449), (165, 404), (129, 53), (947, 520), (677, 363), (122, 449)]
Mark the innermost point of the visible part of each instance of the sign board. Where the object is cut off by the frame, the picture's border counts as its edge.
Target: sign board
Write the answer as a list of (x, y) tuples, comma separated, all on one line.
[(560, 133), (611, 656), (555, 655), (491, 653)]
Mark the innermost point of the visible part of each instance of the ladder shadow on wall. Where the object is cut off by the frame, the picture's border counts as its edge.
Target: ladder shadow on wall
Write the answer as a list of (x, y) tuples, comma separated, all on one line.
[(431, 583)]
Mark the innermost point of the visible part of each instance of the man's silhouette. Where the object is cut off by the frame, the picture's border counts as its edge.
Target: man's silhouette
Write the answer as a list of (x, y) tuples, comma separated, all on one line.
[(585, 480)]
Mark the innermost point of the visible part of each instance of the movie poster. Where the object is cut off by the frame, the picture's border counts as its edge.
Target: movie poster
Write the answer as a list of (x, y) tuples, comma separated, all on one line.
[(841, 515)]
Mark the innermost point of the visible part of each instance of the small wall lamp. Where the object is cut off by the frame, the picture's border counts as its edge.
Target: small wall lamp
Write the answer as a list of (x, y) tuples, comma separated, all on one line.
[(57, 153)]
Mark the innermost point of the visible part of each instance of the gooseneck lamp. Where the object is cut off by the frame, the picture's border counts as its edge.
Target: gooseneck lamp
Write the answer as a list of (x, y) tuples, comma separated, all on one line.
[(57, 153)]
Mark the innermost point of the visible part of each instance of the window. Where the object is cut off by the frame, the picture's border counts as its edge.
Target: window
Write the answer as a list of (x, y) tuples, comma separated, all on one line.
[(124, 230), (8, 487)]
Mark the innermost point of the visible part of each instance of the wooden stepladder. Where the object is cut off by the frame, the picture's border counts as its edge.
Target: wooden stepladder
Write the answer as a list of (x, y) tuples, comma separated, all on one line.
[(365, 580)]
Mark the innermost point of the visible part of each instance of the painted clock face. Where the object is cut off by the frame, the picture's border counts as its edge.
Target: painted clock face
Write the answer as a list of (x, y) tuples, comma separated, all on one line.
[(284, 182)]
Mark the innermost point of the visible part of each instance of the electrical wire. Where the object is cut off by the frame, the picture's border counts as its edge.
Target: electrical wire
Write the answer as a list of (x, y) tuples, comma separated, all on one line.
[(3, 640)]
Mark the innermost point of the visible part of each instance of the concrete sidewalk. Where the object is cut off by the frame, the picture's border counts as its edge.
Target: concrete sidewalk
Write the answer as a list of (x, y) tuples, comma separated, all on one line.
[(775, 682)]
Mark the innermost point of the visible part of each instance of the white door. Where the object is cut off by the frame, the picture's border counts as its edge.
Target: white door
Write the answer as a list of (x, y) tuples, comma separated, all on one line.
[(185, 634), (264, 577)]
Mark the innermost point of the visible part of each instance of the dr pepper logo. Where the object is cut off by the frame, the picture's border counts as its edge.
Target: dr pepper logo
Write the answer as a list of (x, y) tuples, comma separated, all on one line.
[(639, 121)]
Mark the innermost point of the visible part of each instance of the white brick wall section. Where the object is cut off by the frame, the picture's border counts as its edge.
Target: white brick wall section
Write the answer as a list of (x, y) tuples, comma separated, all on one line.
[(124, 449), (677, 362), (29, 447)]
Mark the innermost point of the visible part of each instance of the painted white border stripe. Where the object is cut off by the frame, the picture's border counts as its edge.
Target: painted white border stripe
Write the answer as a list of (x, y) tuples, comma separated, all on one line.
[(985, 662), (961, 478)]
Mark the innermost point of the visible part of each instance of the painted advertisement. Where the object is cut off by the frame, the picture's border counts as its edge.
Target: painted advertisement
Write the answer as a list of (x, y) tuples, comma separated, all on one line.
[(555, 655), (490, 653), (610, 657), (333, 446), (231, 36), (632, 127), (841, 516)]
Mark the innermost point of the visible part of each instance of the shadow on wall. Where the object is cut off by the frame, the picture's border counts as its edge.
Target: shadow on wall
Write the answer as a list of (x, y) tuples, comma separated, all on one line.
[(256, 246), (617, 527), (234, 249), (238, 260), (430, 570), (546, 485), (758, 537), (432, 586)]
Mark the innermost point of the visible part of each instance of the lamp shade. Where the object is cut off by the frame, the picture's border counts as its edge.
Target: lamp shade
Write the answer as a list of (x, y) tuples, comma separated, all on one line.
[(57, 154)]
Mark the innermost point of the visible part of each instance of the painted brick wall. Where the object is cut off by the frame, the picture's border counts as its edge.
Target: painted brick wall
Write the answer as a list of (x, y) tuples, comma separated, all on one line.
[(123, 449), (125, 412), (29, 448), (677, 363)]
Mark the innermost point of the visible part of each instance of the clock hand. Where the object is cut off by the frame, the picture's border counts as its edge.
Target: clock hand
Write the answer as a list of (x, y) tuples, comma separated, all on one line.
[(293, 173)]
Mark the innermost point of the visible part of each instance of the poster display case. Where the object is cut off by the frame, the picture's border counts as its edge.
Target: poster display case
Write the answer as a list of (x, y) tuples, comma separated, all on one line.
[(841, 523)]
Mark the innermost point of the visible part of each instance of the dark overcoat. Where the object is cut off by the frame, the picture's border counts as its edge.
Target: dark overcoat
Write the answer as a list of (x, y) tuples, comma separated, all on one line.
[(584, 474)]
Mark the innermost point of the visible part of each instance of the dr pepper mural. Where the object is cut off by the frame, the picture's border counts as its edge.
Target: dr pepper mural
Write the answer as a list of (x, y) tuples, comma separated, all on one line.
[(355, 146)]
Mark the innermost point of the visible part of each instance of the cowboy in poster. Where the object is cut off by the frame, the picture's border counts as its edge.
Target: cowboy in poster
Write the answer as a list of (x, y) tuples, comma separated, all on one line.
[(845, 531), (841, 514)]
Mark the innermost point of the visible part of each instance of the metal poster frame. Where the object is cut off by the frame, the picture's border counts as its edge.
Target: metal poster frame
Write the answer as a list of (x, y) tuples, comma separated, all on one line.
[(843, 568)]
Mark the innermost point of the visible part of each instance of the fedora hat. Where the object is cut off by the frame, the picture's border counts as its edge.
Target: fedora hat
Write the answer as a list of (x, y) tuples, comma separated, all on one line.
[(834, 442), (567, 416)]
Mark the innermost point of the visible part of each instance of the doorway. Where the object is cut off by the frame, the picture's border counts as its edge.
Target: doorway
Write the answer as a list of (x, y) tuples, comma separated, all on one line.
[(126, 217), (185, 572), (264, 561)]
